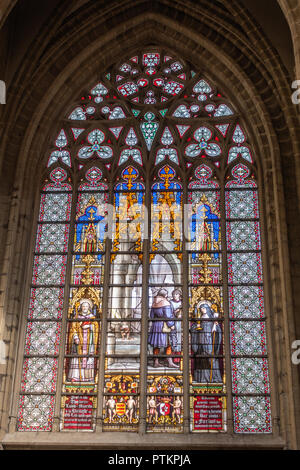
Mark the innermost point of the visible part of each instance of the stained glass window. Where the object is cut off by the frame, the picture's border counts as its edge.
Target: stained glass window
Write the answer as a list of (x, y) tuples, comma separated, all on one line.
[(146, 306)]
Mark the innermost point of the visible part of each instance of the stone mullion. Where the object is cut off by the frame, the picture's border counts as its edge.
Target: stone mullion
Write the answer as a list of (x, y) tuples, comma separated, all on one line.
[(61, 352), (145, 311), (185, 318), (105, 298)]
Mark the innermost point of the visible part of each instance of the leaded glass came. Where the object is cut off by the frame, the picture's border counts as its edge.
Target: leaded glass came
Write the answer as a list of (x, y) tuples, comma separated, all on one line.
[(146, 305)]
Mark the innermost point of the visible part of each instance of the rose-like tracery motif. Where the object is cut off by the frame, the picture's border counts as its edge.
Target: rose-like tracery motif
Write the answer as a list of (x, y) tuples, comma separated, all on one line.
[(202, 135), (95, 138)]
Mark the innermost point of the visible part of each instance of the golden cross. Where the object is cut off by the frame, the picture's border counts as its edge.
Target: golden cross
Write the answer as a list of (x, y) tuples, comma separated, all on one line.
[(167, 176), (129, 177), (92, 212)]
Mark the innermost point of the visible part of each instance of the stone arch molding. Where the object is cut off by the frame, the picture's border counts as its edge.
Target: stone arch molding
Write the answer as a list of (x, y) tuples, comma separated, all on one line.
[(291, 10), (84, 68), (5, 8), (225, 72)]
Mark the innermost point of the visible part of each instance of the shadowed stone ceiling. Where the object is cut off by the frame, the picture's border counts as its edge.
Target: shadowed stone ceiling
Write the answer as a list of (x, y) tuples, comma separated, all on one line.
[(28, 16)]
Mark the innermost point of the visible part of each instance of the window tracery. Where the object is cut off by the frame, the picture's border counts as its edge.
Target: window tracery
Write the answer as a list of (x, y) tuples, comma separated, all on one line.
[(153, 151)]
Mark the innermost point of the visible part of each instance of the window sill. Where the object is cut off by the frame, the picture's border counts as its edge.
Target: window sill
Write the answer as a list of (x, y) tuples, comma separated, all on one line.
[(130, 441)]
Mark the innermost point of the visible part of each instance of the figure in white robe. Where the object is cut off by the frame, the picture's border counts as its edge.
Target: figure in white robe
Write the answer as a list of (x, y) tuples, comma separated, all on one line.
[(83, 338)]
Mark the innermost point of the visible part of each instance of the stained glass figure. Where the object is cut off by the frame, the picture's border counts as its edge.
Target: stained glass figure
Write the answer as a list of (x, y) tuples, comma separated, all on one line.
[(157, 152)]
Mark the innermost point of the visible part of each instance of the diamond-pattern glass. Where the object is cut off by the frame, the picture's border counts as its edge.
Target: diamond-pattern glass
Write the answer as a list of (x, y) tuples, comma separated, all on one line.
[(252, 414), (39, 375), (248, 338), (241, 205), (35, 413), (250, 375), (243, 236)]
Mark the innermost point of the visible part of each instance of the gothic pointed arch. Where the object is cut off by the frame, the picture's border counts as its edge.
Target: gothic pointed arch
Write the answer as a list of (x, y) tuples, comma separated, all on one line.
[(147, 292)]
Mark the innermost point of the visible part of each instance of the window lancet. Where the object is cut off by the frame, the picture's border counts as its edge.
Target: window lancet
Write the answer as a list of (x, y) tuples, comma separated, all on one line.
[(147, 286)]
